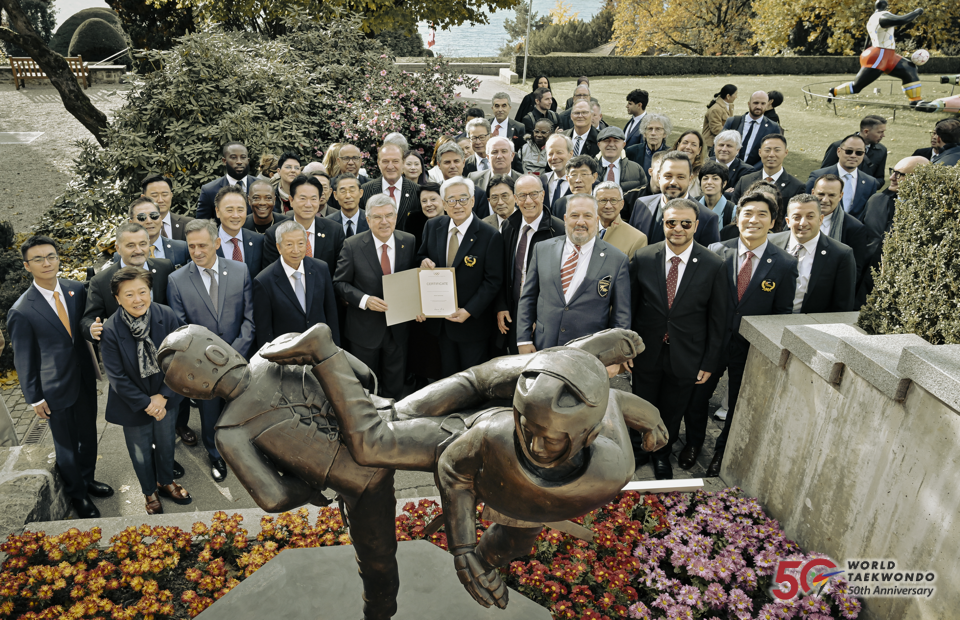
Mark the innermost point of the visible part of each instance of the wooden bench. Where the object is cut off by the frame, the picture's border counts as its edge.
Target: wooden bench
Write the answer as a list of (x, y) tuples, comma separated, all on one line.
[(27, 69)]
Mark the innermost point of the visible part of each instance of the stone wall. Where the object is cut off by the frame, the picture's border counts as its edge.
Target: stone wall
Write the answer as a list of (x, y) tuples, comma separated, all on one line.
[(101, 74), (852, 442), (571, 65)]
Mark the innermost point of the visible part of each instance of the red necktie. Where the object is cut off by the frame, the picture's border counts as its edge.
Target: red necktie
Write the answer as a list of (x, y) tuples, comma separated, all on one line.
[(569, 268), (384, 260), (496, 130), (391, 189), (237, 256), (672, 278), (743, 278), (610, 176)]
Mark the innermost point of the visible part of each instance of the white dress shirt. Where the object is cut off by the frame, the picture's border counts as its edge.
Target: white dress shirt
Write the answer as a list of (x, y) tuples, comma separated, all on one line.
[(206, 276), (753, 134), (482, 164), (242, 182), (48, 296), (355, 218), (586, 252), (522, 260), (462, 228), (616, 170), (827, 223), (754, 262), (391, 256), (500, 221), (504, 127), (553, 185), (397, 189), (805, 265), (287, 269), (634, 122), (226, 244), (684, 259), (311, 234), (775, 176)]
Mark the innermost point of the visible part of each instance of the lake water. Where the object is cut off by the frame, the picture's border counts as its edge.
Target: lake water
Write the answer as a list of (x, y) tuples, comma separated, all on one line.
[(465, 40)]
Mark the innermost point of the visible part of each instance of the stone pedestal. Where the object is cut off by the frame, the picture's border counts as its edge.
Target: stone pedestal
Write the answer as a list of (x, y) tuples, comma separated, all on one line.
[(30, 488), (322, 583)]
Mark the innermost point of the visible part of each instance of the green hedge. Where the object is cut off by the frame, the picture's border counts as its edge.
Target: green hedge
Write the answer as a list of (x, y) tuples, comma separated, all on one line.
[(97, 39), (917, 289), (60, 43)]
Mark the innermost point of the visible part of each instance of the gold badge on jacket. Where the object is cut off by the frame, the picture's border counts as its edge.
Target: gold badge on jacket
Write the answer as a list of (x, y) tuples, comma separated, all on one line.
[(603, 286), (469, 261), (767, 285)]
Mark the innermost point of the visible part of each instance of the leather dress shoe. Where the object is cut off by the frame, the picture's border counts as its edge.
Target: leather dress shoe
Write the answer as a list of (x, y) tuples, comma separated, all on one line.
[(85, 508), (187, 436), (714, 470), (177, 470), (661, 467), (640, 458), (688, 456), (99, 489), (218, 469)]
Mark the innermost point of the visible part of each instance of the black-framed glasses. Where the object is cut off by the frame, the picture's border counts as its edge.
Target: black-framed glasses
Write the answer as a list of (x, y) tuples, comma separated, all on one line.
[(453, 201), (39, 260), (349, 159), (153, 215), (531, 195), (896, 174), (685, 224), (609, 201), (856, 152)]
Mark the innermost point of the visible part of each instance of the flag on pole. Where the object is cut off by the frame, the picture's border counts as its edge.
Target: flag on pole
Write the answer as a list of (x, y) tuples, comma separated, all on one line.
[(431, 37)]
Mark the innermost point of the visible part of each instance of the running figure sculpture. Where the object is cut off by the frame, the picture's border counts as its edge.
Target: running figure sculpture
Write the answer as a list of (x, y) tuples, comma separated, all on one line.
[(881, 57)]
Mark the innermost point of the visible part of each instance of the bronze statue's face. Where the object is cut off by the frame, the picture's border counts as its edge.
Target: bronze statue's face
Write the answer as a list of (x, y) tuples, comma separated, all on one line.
[(194, 360), (545, 446)]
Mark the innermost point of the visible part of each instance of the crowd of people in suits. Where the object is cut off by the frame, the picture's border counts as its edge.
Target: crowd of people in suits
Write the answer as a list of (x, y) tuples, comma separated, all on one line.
[(556, 225)]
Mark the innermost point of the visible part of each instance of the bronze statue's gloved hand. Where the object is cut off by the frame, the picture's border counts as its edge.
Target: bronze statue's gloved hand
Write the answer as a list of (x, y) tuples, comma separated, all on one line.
[(656, 437), (483, 585), (317, 498), (611, 346), (308, 349)]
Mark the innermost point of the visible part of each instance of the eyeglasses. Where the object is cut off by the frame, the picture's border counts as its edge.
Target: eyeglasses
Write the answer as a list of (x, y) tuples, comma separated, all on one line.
[(498, 198), (479, 138), (39, 260), (349, 159), (381, 218), (609, 201), (523, 197), (452, 201), (896, 174), (853, 152), (153, 215), (579, 175), (685, 224)]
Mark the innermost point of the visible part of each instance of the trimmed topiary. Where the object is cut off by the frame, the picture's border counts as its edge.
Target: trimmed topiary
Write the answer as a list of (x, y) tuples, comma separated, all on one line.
[(60, 43), (917, 289), (97, 39)]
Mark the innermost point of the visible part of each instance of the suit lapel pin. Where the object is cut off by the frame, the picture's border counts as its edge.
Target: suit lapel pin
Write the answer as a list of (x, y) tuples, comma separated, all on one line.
[(70, 293), (767, 285), (769, 260), (601, 254), (824, 252), (224, 273), (323, 234), (694, 260), (250, 243), (469, 261), (603, 286), (154, 270)]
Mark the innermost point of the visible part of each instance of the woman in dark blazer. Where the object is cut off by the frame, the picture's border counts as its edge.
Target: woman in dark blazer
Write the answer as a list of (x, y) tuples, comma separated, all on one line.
[(139, 400)]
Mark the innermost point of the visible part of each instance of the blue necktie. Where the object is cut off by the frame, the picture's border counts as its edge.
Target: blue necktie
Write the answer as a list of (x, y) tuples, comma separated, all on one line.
[(299, 291), (849, 189), (603, 232)]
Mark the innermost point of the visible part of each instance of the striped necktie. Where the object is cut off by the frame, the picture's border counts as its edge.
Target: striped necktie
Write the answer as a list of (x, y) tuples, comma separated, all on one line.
[(569, 268)]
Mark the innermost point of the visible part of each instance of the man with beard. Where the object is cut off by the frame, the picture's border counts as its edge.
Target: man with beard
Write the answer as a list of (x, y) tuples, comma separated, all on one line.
[(533, 154), (263, 216), (673, 178), (236, 163), (753, 126), (159, 189)]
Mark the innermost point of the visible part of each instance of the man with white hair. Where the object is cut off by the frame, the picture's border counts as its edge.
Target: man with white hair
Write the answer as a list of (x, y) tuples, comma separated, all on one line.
[(753, 126), (582, 132), (559, 151), (475, 251), (726, 146), (478, 131), (500, 154)]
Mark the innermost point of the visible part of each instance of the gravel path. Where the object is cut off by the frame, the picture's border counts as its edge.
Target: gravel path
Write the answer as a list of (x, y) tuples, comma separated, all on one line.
[(33, 175)]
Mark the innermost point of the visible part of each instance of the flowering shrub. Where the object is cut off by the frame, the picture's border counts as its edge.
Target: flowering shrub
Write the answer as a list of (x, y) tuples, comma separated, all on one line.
[(709, 555)]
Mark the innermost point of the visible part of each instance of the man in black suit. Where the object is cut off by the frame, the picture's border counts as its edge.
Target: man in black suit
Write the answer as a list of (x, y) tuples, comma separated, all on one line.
[(159, 189), (478, 132), (837, 223), (936, 143), (761, 279), (144, 212), (350, 162), (502, 126), (543, 100), (236, 163), (236, 243), (475, 250), (555, 185), (526, 227), (403, 191), (580, 93), (295, 292), (827, 270), (366, 258), (582, 173), (679, 305), (614, 166), (773, 150), (872, 129), (582, 133), (753, 126), (726, 146), (350, 216), (637, 101), (324, 237), (500, 154), (262, 216), (857, 186), (56, 369)]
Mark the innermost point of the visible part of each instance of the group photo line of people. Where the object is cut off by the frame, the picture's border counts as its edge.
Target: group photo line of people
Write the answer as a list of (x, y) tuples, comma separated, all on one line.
[(556, 225)]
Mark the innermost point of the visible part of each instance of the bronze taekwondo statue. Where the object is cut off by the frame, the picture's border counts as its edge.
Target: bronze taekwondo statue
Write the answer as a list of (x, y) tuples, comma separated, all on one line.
[(559, 452)]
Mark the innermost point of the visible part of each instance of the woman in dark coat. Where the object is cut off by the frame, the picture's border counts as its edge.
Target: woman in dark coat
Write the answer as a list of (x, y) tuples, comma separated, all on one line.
[(138, 399), (527, 104)]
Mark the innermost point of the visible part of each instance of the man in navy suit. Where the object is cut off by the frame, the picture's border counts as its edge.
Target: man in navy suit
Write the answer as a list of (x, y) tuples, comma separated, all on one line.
[(673, 178), (753, 126), (872, 129), (858, 186), (366, 258), (159, 189), (241, 245), (679, 302), (827, 268), (637, 101), (143, 211), (236, 163), (761, 280), (218, 294), (576, 285), (295, 292), (350, 216), (324, 236), (773, 150), (475, 250), (56, 369), (837, 223)]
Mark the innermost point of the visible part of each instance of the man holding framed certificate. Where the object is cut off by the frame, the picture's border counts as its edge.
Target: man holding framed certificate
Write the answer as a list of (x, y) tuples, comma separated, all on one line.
[(474, 250)]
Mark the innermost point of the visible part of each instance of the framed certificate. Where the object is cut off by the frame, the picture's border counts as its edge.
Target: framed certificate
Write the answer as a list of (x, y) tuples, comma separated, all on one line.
[(431, 292)]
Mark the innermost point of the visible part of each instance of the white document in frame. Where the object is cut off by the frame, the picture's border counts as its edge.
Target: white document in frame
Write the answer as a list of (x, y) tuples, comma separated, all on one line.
[(438, 292)]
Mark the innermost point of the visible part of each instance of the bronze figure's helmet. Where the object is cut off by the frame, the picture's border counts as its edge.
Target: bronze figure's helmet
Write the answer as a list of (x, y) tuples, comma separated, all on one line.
[(565, 390), (194, 359)]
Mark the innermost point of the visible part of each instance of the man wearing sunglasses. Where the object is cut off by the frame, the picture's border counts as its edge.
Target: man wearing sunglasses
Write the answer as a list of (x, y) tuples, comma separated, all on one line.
[(873, 127), (144, 211), (858, 186), (679, 304)]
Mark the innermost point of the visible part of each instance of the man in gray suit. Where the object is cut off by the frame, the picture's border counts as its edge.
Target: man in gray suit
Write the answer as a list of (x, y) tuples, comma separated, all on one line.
[(575, 285), (500, 154), (218, 294)]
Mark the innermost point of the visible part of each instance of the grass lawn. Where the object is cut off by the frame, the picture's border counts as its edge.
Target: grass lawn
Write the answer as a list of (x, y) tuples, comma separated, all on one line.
[(809, 130)]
